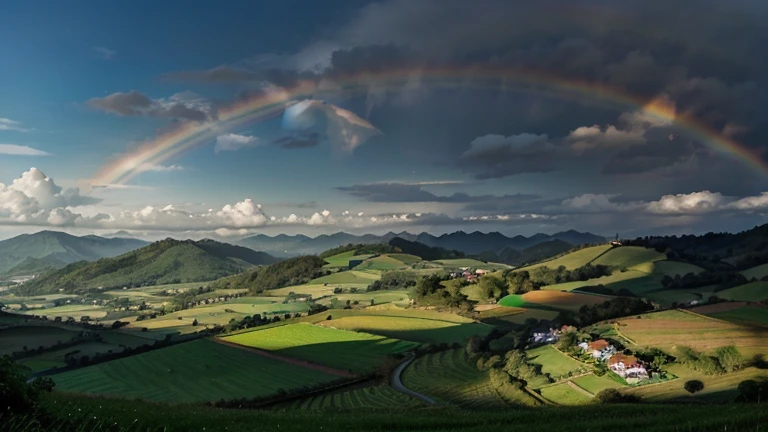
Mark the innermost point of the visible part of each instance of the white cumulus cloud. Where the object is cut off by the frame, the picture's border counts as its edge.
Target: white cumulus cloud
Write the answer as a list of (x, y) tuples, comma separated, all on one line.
[(234, 142)]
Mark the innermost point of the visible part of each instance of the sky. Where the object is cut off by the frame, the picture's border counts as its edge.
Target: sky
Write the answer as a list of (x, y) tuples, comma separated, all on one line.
[(202, 119)]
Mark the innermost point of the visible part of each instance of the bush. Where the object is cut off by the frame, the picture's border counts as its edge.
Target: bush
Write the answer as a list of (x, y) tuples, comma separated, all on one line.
[(693, 386), (610, 396)]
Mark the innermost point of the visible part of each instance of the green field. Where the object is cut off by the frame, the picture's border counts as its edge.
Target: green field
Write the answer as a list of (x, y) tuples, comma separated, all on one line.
[(553, 362), (595, 384), (412, 329), (758, 272), (748, 315), (449, 377), (364, 299), (342, 259), (751, 292), (74, 310), (405, 258), (471, 263), (16, 338), (377, 397), (353, 351), (380, 263), (572, 260), (629, 256), (519, 317), (54, 359), (190, 372), (348, 277), (564, 394), (717, 388)]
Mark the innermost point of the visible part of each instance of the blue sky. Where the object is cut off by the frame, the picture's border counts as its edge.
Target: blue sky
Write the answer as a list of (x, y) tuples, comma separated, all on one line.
[(84, 84)]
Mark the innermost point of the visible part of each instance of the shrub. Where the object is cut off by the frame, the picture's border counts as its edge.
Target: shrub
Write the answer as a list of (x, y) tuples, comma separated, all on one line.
[(610, 396), (693, 386)]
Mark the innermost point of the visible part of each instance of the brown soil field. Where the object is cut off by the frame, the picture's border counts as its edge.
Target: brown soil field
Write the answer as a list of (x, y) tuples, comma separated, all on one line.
[(563, 300)]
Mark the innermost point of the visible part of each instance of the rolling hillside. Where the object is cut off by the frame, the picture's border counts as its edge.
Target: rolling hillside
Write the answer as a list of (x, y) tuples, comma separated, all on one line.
[(167, 261), (56, 249)]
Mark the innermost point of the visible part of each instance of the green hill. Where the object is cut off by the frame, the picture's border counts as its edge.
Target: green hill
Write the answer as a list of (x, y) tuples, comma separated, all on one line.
[(58, 249), (293, 271), (163, 262)]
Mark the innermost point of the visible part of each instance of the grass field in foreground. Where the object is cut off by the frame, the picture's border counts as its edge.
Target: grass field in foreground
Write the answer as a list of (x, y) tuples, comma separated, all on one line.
[(754, 292), (744, 315), (553, 362), (670, 328), (357, 352), (84, 414), (564, 394), (595, 384), (412, 329), (190, 372), (377, 397), (448, 376)]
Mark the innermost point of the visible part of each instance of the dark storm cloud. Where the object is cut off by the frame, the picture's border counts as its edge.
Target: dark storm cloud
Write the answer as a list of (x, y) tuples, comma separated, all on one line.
[(132, 103), (135, 103), (414, 192), (299, 141), (494, 156)]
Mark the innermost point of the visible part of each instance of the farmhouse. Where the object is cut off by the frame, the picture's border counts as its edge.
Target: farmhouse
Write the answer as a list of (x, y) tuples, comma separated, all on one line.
[(481, 272), (600, 349), (545, 335), (627, 367)]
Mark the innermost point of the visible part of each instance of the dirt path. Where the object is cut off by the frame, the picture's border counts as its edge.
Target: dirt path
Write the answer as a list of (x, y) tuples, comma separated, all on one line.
[(289, 360), (576, 387), (397, 384)]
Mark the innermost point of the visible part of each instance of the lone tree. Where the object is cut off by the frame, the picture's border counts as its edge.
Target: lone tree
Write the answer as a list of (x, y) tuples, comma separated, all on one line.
[(194, 323), (693, 386)]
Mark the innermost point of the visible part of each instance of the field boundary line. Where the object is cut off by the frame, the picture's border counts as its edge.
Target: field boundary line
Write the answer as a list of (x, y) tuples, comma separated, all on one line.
[(309, 365), (704, 316), (579, 389), (632, 341), (537, 396)]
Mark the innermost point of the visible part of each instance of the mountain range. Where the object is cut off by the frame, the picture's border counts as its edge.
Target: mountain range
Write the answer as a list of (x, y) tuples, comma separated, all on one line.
[(164, 262), (469, 243), (33, 253)]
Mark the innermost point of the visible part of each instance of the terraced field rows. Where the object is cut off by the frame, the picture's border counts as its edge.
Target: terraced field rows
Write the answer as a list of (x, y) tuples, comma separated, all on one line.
[(449, 377), (196, 371), (378, 397)]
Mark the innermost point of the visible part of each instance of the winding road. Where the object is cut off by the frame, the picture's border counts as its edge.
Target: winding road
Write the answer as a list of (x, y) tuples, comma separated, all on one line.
[(397, 383)]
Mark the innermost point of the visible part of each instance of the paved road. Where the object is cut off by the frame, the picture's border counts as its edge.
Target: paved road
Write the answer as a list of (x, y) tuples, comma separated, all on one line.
[(397, 384)]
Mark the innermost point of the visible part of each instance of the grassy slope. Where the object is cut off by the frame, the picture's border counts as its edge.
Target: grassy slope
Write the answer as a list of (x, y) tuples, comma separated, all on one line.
[(191, 372), (553, 362), (357, 352), (348, 277), (15, 339), (595, 384), (670, 328), (572, 260), (448, 376), (754, 291), (162, 262), (412, 329), (756, 272), (376, 398), (748, 315), (382, 262), (563, 394)]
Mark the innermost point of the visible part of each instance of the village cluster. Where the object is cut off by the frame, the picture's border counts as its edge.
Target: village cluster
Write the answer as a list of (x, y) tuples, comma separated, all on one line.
[(467, 274), (629, 367)]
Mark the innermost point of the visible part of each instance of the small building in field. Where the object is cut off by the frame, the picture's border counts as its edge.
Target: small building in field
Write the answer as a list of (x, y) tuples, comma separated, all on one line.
[(600, 349), (481, 272)]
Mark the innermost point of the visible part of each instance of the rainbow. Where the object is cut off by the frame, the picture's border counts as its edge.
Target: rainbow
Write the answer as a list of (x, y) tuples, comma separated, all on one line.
[(272, 103)]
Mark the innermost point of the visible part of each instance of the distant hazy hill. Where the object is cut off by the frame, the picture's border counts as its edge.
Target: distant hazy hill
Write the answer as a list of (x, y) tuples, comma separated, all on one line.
[(31, 253), (468, 243), (423, 251), (167, 261)]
